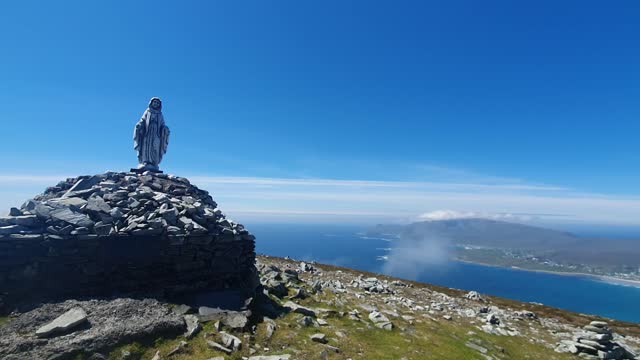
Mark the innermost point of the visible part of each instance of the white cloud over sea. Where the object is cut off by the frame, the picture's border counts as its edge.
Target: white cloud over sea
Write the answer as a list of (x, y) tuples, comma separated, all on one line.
[(438, 215), (368, 201)]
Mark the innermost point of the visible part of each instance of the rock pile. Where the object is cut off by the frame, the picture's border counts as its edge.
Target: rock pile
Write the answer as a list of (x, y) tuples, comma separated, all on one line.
[(372, 285), (276, 281), (121, 232), (595, 342), (473, 295), (122, 204)]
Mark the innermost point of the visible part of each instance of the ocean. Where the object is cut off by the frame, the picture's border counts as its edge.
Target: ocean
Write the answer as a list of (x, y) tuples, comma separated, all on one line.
[(344, 246)]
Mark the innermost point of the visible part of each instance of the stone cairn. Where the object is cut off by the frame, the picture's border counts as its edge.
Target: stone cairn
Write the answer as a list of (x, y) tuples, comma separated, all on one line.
[(595, 341), (122, 232)]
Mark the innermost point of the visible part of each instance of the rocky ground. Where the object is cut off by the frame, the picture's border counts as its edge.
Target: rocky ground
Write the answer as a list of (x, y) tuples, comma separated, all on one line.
[(312, 311)]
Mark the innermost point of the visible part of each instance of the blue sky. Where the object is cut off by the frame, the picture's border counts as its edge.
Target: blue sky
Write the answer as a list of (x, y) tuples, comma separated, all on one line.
[(336, 109)]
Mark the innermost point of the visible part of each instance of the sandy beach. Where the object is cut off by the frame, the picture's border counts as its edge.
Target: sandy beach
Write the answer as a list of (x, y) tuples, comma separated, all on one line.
[(608, 279)]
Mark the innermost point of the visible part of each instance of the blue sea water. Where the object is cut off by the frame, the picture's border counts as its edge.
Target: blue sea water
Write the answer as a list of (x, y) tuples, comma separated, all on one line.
[(341, 245)]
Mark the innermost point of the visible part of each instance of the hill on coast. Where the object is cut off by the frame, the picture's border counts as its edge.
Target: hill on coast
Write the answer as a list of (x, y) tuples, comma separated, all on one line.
[(504, 243)]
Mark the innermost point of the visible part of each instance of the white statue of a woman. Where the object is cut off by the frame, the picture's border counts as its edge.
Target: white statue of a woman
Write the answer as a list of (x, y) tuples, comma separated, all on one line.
[(151, 137)]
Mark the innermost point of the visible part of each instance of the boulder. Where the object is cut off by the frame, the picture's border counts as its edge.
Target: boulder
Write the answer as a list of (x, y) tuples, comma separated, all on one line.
[(193, 325), (493, 319), (271, 328), (230, 341), (377, 317)]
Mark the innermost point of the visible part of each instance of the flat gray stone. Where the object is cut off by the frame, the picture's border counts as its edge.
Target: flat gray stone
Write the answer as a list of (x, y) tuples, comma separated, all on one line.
[(63, 323), (215, 346), (592, 343), (299, 309), (71, 201), (600, 324), (102, 229), (596, 329), (26, 236), (97, 204), (476, 347), (42, 211), (270, 357), (116, 213), (26, 220), (319, 338), (71, 217), (11, 229), (377, 317), (231, 319), (182, 309), (170, 215), (83, 184), (387, 325), (332, 348), (585, 348)]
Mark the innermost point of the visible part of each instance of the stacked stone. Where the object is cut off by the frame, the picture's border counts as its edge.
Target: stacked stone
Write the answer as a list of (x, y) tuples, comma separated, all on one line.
[(595, 342), (122, 204), (165, 232)]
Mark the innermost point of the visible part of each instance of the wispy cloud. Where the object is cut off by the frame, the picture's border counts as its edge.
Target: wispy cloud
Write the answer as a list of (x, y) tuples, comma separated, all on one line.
[(31, 179), (368, 183), (409, 258), (318, 199), (438, 215)]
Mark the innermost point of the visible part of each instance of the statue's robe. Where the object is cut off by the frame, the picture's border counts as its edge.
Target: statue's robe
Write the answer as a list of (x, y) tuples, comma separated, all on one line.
[(151, 138)]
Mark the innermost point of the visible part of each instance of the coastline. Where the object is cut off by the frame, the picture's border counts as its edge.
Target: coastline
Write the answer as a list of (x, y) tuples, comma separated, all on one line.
[(603, 278)]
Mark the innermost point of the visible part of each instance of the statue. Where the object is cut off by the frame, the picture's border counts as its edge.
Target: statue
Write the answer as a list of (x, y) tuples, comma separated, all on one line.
[(151, 137)]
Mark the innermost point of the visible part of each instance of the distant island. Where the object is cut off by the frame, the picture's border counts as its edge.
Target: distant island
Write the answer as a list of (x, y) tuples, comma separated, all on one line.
[(505, 244)]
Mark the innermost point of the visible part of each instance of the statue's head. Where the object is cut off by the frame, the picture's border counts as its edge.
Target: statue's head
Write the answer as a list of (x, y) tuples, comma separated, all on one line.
[(155, 104)]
